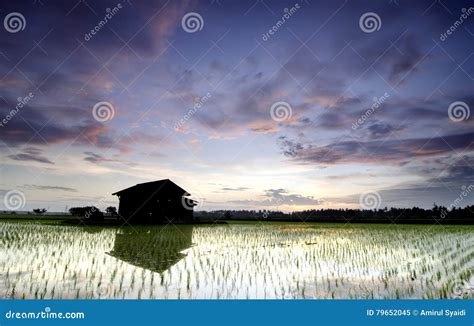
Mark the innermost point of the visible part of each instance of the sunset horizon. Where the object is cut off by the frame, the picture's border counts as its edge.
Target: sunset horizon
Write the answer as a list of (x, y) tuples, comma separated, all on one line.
[(247, 105)]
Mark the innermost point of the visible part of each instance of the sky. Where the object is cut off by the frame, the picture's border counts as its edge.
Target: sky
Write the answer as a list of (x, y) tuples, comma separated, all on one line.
[(286, 105)]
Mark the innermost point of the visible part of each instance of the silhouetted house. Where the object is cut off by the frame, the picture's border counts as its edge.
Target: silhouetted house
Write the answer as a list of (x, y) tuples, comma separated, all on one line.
[(155, 202)]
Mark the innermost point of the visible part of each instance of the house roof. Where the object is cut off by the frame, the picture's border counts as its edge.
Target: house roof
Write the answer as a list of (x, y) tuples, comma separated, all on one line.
[(153, 186)]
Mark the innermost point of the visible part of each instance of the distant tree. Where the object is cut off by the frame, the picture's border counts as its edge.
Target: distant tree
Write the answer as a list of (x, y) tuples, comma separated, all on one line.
[(77, 211), (93, 213), (111, 211), (227, 214), (87, 212), (39, 211)]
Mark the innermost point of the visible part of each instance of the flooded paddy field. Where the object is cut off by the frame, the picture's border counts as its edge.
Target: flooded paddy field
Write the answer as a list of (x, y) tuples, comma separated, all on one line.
[(237, 260)]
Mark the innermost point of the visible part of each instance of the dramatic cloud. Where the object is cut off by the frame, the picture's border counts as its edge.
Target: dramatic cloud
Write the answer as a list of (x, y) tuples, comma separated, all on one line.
[(45, 126), (382, 129), (283, 197), (54, 188), (405, 59), (31, 154), (280, 197), (393, 151), (234, 189), (97, 158), (155, 74)]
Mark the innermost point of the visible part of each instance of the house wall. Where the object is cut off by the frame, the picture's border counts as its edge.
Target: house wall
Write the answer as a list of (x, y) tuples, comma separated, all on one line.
[(157, 209)]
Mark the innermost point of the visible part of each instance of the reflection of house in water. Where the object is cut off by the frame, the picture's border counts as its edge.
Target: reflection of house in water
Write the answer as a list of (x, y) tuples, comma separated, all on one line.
[(153, 248)]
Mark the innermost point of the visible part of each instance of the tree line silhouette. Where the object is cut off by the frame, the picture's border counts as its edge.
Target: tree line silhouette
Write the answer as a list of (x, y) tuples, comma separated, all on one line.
[(92, 212), (414, 215)]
